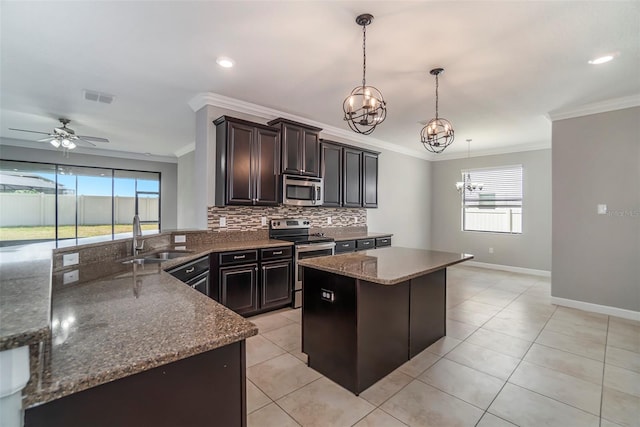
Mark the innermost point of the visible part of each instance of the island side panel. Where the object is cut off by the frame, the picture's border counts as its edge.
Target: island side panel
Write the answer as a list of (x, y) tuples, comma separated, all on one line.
[(205, 389), (383, 330), (329, 334), (427, 310)]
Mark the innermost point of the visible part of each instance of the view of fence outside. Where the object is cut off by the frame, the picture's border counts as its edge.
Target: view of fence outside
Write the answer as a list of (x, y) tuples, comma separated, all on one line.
[(501, 220), (33, 210)]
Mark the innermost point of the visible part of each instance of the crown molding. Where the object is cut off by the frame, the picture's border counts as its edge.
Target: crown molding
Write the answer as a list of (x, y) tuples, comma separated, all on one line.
[(216, 100), (185, 149), (533, 146), (23, 143), (595, 108)]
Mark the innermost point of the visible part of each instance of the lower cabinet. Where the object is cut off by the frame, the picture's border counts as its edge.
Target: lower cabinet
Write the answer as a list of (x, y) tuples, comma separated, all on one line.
[(253, 281)]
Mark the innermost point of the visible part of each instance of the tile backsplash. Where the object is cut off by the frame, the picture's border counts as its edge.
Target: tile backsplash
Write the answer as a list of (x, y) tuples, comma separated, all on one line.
[(247, 218)]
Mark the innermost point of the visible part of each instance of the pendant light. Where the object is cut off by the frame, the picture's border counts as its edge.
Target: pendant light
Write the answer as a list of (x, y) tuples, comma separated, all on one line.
[(438, 133), (364, 108), (468, 185)]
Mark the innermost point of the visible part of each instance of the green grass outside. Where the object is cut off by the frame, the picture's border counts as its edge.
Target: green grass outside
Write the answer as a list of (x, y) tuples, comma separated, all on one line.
[(65, 231)]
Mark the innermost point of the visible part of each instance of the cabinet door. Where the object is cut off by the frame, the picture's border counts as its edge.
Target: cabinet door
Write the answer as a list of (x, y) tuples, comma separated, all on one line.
[(331, 166), (291, 149), (352, 189), (239, 290), (276, 284), (239, 163), (266, 167), (370, 180), (311, 152)]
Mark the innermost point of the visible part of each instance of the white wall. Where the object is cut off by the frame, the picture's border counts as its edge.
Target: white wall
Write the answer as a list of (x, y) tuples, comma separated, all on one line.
[(596, 160), (187, 205), (168, 171), (532, 248)]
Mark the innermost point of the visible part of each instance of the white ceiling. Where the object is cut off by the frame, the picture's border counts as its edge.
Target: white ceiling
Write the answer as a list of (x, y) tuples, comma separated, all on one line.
[(507, 64)]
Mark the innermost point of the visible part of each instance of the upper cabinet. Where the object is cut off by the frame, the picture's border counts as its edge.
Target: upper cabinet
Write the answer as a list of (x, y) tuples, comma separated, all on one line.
[(350, 175), (300, 147), (248, 162)]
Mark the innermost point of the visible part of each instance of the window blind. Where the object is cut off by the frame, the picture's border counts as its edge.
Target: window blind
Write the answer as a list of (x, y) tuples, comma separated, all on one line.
[(502, 188)]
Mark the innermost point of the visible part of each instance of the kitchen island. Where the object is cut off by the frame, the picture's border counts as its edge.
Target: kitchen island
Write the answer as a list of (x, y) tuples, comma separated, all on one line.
[(366, 313)]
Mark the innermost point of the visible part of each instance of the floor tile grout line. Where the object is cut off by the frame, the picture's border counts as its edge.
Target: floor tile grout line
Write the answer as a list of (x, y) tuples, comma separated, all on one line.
[(604, 366)]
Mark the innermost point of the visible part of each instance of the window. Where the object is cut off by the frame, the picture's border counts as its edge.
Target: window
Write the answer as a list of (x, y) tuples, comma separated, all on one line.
[(498, 206), (41, 202)]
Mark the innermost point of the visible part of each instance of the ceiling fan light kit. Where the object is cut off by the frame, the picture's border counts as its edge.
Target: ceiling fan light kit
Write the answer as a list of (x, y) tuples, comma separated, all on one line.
[(467, 184), (365, 107), (438, 133)]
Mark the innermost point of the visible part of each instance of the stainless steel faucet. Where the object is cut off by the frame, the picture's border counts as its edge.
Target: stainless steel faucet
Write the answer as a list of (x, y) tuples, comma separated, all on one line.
[(137, 232)]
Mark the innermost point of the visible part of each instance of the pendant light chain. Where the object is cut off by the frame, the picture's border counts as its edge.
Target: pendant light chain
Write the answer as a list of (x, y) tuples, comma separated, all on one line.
[(437, 84), (364, 55)]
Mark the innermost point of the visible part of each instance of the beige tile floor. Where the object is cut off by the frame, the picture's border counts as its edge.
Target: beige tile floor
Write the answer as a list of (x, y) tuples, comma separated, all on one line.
[(510, 357)]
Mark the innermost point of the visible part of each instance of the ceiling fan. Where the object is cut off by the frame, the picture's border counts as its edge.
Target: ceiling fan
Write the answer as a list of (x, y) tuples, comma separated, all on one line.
[(65, 137)]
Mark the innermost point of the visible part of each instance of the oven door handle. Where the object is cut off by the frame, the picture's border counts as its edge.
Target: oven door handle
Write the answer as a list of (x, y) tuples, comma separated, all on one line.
[(315, 247)]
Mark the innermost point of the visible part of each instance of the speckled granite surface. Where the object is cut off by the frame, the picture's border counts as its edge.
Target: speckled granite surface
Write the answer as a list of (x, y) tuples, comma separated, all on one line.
[(341, 234), (116, 319), (386, 266)]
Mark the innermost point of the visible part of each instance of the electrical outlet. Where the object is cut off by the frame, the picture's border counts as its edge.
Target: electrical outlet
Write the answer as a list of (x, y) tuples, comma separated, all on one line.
[(602, 209), (264, 221), (180, 238), (70, 259), (70, 277), (223, 221), (329, 221), (490, 250), (181, 248), (355, 219)]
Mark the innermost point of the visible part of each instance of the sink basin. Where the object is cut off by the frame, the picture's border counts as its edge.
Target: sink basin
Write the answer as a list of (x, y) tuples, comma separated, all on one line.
[(157, 257), (166, 255)]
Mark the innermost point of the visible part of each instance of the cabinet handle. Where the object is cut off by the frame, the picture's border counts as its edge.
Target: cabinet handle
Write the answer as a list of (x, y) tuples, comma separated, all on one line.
[(256, 268), (264, 268), (345, 245), (239, 256), (276, 253), (190, 270)]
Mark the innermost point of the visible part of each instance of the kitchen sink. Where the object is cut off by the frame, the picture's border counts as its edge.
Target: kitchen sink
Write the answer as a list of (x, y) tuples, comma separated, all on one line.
[(156, 257)]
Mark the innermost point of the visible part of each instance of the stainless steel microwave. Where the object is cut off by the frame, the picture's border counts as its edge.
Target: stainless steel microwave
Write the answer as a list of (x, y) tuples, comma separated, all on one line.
[(302, 190)]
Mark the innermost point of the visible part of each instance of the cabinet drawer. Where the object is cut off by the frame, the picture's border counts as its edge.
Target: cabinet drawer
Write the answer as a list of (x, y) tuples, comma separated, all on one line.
[(364, 244), (345, 246), (383, 241), (276, 253), (191, 269), (238, 257)]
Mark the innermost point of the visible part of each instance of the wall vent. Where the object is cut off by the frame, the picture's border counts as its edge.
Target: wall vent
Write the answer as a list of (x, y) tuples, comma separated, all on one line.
[(92, 95)]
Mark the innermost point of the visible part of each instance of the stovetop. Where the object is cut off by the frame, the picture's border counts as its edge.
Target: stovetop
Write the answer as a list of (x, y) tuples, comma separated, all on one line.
[(295, 230), (302, 240)]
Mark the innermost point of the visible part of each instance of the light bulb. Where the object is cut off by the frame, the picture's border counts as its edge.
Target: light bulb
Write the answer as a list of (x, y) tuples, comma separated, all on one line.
[(71, 145), (55, 143), (65, 143)]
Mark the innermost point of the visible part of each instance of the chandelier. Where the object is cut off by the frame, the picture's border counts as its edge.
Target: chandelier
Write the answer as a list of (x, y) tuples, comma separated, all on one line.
[(468, 185), (364, 108), (438, 133)]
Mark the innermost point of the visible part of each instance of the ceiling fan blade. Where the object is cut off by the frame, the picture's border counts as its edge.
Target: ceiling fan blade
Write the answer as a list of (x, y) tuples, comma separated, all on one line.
[(47, 139), (32, 131), (92, 138), (84, 140)]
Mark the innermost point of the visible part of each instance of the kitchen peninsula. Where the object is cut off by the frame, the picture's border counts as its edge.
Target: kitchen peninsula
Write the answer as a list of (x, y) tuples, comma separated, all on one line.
[(366, 313)]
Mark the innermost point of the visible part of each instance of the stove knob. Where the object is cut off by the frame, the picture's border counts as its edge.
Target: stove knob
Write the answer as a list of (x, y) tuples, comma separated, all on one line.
[(278, 222)]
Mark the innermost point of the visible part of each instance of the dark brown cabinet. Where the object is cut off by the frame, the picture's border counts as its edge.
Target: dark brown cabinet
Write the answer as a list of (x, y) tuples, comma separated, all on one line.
[(331, 171), (350, 175), (300, 147), (252, 281), (248, 163)]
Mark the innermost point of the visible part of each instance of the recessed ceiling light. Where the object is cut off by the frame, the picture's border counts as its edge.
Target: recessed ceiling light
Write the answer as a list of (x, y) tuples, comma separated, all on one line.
[(225, 62), (601, 59)]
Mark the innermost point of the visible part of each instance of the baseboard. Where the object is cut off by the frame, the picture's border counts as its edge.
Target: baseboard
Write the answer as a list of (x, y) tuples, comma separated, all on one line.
[(543, 273), (597, 308)]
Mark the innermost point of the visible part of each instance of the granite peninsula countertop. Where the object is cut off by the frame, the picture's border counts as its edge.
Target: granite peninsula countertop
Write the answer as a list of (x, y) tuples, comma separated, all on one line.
[(386, 266), (115, 320), (354, 235)]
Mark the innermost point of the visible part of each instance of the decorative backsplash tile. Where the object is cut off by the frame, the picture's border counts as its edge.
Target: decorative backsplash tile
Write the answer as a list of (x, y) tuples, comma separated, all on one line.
[(248, 218)]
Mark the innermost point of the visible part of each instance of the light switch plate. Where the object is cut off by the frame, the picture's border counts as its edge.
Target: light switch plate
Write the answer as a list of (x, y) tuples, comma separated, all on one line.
[(70, 259), (181, 248), (70, 277), (223, 221), (602, 209), (180, 238)]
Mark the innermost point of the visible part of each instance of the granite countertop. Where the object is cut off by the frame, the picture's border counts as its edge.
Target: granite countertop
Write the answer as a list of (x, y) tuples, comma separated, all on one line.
[(386, 266), (115, 320), (355, 235)]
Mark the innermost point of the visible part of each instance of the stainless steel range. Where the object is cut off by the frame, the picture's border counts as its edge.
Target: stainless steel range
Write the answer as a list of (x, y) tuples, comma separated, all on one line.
[(307, 245)]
